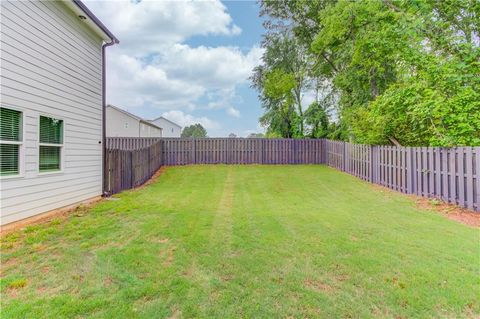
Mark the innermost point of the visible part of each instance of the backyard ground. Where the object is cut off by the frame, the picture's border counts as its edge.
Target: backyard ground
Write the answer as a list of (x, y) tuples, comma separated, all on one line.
[(245, 242)]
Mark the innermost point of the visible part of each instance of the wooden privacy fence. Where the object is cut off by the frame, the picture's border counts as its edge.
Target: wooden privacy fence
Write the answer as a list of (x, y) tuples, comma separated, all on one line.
[(126, 169), (449, 174), (242, 151)]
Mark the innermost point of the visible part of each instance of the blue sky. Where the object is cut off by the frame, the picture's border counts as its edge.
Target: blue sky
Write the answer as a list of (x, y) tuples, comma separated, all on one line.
[(188, 61)]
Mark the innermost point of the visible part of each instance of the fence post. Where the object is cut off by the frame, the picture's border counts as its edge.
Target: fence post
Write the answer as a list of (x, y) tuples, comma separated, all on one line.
[(344, 159), (410, 171), (372, 163), (132, 167)]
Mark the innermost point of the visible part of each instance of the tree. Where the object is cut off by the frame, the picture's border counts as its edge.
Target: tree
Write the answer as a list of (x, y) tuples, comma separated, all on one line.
[(281, 80), (317, 119), (232, 135), (402, 71), (194, 131)]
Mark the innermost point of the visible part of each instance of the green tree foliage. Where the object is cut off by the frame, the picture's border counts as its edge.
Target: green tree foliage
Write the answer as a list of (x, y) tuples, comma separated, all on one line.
[(281, 81), (195, 131), (400, 70), (317, 119)]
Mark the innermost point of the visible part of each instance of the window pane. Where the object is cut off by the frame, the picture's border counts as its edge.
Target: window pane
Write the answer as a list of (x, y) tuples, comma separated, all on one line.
[(11, 125), (49, 158), (9, 159), (51, 130)]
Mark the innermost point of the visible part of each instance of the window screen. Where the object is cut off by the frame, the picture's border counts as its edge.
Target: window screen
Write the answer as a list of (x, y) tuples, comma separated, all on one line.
[(50, 158), (51, 130), (10, 141), (10, 159), (51, 140)]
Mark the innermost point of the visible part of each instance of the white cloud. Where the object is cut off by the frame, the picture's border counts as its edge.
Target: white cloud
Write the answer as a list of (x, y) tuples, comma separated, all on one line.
[(180, 76), (233, 112), (215, 67), (184, 119), (133, 84), (150, 26), (308, 98), (153, 67)]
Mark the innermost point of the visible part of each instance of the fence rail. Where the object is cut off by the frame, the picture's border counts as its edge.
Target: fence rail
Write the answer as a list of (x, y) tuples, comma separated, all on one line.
[(449, 174)]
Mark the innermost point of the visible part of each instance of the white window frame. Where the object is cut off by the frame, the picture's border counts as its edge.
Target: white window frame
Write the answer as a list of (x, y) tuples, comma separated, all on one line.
[(61, 146), (21, 152)]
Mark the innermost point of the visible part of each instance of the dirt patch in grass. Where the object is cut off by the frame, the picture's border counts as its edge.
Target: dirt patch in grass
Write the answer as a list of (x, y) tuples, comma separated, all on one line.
[(7, 265), (169, 256), (450, 211), (53, 217), (318, 286), (176, 313), (153, 178)]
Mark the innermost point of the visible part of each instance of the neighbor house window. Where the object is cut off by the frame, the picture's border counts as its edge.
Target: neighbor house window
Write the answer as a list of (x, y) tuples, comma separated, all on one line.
[(51, 144), (10, 141)]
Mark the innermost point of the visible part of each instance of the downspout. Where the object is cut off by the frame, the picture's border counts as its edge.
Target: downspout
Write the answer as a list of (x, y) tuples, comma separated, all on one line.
[(104, 113)]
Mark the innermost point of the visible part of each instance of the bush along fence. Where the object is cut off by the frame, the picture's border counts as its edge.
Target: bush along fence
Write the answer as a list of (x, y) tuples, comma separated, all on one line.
[(449, 174)]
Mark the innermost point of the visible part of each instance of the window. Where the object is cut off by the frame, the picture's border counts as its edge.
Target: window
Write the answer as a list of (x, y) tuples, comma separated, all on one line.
[(51, 144), (172, 129), (11, 139), (126, 124)]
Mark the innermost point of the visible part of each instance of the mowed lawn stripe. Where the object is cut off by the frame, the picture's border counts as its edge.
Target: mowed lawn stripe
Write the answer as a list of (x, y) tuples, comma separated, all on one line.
[(247, 241)]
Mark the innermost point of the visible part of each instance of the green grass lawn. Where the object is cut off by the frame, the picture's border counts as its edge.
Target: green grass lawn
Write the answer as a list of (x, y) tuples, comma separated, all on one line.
[(245, 242)]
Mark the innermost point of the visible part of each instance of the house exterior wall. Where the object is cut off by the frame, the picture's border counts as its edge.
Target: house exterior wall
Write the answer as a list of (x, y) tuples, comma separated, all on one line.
[(149, 130), (51, 65), (120, 124), (168, 129)]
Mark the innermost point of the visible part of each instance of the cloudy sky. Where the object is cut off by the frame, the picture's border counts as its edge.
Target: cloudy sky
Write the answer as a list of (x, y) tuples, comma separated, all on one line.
[(188, 61)]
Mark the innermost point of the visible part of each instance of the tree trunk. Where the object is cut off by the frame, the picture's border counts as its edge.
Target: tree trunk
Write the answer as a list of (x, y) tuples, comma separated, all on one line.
[(298, 96)]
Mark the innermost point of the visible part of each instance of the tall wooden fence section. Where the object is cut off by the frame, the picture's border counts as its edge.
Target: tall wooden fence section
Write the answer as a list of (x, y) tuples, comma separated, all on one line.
[(126, 169), (449, 174), (242, 151)]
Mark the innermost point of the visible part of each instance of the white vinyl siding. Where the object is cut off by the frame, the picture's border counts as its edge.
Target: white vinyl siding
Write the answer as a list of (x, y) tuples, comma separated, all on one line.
[(168, 128), (120, 124), (147, 130), (51, 66), (123, 124)]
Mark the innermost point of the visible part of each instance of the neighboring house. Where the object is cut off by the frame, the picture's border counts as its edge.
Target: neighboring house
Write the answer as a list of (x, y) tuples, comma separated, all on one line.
[(52, 106), (169, 128), (121, 123)]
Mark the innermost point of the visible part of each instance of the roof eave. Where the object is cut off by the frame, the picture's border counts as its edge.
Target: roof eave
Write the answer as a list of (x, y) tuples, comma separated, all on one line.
[(79, 8), (133, 116), (150, 123), (161, 117)]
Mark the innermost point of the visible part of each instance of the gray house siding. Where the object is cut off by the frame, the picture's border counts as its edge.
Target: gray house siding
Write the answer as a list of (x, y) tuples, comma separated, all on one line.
[(51, 65)]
